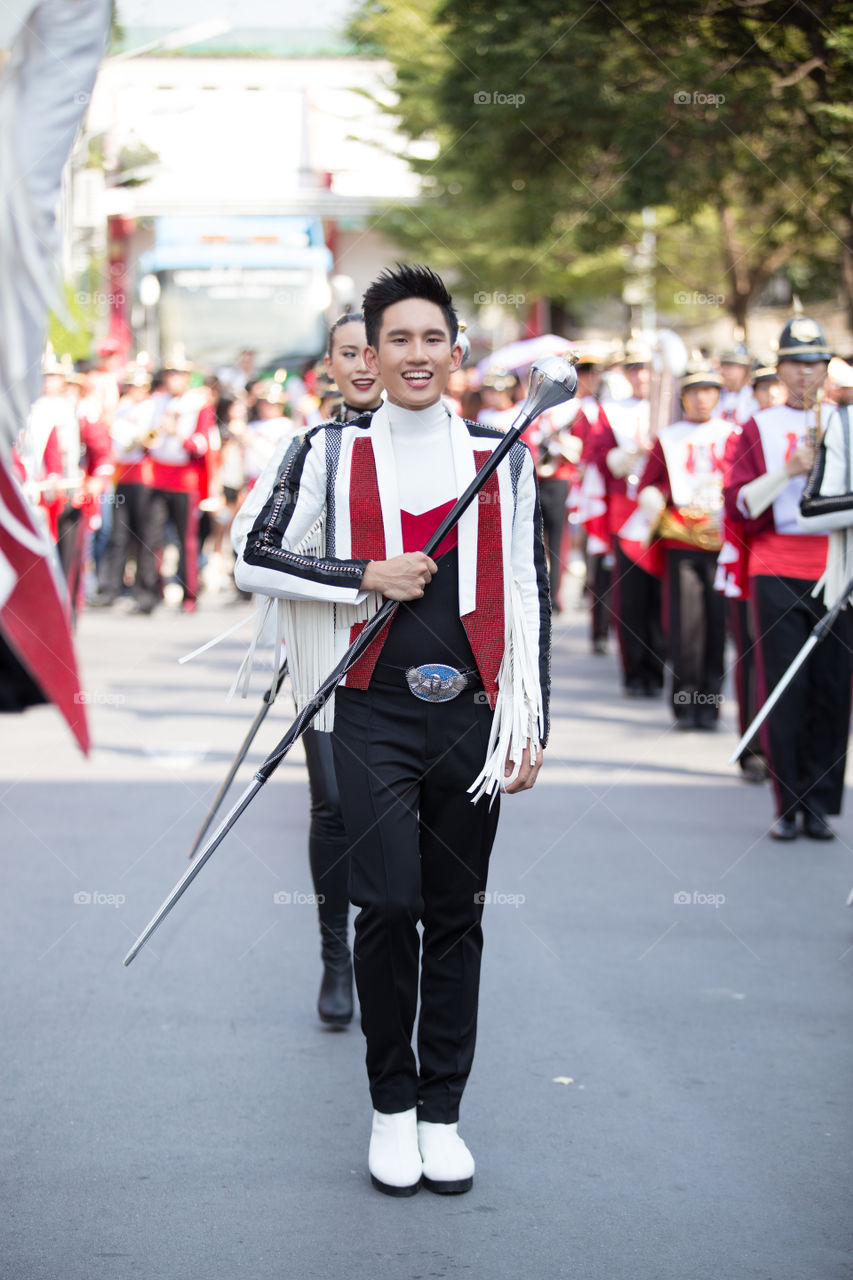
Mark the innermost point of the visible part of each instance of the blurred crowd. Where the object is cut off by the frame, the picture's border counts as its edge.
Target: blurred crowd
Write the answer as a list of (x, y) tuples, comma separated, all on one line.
[(139, 472)]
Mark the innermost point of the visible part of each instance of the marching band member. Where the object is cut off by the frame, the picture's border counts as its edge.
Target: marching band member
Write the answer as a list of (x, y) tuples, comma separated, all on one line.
[(556, 446), (132, 531), (497, 389), (181, 436), (805, 736), (766, 387), (737, 402), (587, 420), (683, 495), (50, 448), (350, 510), (358, 393), (265, 431), (619, 447)]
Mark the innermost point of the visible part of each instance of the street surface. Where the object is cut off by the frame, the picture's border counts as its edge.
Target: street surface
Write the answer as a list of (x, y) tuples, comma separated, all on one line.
[(662, 1087)]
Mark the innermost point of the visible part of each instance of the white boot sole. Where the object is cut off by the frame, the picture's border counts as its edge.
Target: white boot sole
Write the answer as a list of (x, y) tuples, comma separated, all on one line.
[(448, 1188)]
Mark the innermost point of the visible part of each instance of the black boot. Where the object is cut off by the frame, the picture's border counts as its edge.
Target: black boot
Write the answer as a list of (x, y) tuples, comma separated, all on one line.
[(328, 851), (334, 1004)]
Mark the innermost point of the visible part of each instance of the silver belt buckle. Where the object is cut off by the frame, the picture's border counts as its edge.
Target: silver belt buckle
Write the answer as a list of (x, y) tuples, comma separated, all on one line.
[(436, 682)]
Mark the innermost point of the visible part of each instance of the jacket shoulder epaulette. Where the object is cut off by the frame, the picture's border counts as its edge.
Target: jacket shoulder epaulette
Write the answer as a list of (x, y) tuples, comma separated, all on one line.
[(480, 429)]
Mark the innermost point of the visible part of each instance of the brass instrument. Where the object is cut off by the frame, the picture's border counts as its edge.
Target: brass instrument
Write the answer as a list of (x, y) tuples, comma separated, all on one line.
[(552, 453), (814, 432), (697, 523)]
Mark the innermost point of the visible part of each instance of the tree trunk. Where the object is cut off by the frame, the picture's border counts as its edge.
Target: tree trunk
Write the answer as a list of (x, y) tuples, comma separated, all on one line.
[(847, 265)]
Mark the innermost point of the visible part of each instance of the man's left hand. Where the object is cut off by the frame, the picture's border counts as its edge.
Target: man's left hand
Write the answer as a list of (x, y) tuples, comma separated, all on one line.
[(527, 774)]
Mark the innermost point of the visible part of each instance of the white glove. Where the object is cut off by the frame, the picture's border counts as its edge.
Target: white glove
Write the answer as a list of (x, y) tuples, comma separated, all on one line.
[(651, 502), (621, 462)]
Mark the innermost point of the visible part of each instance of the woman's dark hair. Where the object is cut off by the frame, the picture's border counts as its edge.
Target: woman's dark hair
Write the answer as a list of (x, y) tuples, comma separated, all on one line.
[(349, 317), (396, 285), (222, 409)]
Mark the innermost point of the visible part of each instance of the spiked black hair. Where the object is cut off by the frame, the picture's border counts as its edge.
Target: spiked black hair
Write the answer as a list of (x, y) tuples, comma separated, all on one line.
[(348, 317), (396, 285)]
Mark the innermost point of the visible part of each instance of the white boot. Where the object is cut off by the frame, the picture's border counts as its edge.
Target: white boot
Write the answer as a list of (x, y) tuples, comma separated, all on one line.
[(394, 1160), (448, 1164)]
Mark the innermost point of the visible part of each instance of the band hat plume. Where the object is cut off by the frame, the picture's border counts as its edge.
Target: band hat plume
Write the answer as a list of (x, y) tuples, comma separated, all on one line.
[(841, 373), (803, 340)]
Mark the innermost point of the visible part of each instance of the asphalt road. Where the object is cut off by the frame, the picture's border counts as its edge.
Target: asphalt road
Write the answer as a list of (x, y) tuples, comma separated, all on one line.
[(662, 1086)]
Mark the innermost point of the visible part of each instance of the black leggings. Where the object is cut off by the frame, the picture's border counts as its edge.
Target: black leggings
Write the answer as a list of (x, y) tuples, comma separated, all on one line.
[(328, 847)]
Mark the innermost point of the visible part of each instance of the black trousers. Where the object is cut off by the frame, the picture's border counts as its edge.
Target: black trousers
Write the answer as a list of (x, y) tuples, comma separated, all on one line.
[(637, 600), (805, 736), (419, 851), (598, 585), (328, 846), (696, 619), (132, 532), (182, 510), (553, 495), (745, 674)]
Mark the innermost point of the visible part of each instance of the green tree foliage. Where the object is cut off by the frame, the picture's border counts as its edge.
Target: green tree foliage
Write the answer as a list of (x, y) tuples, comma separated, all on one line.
[(75, 338), (557, 123)]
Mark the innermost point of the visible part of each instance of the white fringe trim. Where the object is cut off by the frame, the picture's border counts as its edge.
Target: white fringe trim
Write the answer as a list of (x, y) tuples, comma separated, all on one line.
[(223, 635), (519, 719), (304, 630), (839, 568)]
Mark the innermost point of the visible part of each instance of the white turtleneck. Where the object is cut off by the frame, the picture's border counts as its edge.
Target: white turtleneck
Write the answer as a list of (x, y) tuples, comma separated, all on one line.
[(423, 456)]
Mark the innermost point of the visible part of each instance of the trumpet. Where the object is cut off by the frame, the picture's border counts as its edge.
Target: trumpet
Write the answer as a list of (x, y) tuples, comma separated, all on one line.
[(814, 432), (554, 451)]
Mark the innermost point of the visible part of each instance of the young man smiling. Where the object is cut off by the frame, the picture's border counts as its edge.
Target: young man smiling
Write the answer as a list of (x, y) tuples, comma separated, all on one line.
[(447, 707)]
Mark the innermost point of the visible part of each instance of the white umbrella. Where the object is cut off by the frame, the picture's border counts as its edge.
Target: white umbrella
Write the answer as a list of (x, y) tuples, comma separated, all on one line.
[(519, 356)]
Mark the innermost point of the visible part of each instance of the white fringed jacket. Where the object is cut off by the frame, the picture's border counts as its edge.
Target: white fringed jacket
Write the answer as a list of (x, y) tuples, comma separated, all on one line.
[(329, 505)]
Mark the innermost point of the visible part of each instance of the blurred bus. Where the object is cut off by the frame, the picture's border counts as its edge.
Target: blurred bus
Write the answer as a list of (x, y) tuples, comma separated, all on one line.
[(214, 286)]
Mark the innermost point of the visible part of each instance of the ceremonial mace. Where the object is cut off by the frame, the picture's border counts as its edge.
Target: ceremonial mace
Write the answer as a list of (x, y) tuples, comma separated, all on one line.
[(552, 381)]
